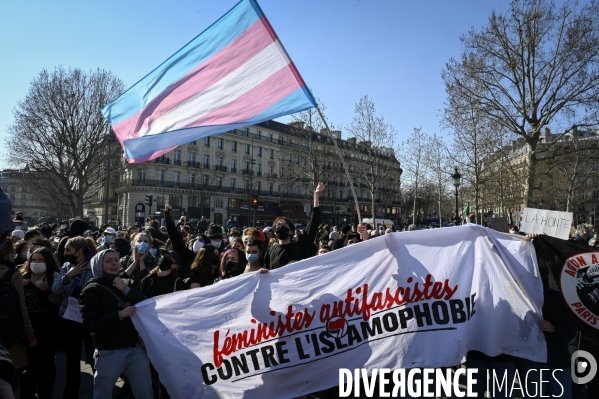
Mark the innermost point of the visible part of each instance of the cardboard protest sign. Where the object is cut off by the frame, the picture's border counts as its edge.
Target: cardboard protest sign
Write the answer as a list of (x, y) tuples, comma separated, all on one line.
[(552, 223), (404, 300)]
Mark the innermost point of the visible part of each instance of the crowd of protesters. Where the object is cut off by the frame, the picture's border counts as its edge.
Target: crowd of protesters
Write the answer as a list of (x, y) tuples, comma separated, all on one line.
[(78, 285)]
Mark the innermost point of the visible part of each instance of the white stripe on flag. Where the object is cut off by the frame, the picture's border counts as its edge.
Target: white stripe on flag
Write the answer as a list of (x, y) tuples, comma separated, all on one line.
[(228, 89)]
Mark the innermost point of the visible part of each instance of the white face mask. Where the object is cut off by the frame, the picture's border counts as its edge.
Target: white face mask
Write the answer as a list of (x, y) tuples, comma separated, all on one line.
[(38, 268)]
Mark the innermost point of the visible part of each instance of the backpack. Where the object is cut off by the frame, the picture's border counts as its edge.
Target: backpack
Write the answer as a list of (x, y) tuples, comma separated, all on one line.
[(11, 317)]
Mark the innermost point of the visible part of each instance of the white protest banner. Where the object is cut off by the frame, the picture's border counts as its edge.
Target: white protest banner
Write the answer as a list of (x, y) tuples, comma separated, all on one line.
[(403, 300), (542, 221)]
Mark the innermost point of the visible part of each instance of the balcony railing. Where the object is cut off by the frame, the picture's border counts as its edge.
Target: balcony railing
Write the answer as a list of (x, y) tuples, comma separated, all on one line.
[(271, 175), (219, 168), (164, 160), (176, 162), (247, 172), (206, 166), (194, 164), (259, 173), (233, 170)]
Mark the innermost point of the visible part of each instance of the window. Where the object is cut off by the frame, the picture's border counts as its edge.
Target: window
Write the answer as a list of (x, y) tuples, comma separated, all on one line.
[(282, 172), (233, 165), (219, 161), (270, 188), (191, 178), (259, 186), (192, 157), (206, 180), (247, 185), (259, 151), (232, 184), (234, 146), (175, 200), (219, 181), (232, 203), (23, 196), (259, 134), (141, 174), (206, 159), (270, 138), (193, 142), (247, 148), (247, 165), (161, 175), (207, 142), (177, 155), (271, 169), (176, 177), (259, 169), (272, 154), (220, 143), (218, 204)]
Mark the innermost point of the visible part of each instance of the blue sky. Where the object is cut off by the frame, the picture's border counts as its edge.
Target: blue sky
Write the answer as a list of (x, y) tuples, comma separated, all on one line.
[(392, 50)]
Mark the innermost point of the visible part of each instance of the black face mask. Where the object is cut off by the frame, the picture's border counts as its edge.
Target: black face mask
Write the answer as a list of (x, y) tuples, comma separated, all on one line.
[(72, 259), (165, 263), (230, 266), (282, 232)]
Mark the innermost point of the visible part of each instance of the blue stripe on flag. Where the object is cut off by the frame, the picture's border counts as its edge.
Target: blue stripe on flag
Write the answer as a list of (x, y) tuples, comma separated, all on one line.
[(145, 146), (201, 48)]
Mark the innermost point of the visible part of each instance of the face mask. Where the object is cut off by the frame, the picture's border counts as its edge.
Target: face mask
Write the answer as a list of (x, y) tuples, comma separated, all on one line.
[(24, 255), (153, 251), (72, 259), (282, 232), (216, 244), (230, 266), (197, 246), (225, 239), (252, 258), (108, 239), (512, 232), (38, 268), (165, 263), (142, 247), (62, 226)]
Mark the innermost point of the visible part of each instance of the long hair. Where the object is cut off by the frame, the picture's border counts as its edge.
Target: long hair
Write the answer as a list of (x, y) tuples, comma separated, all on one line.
[(202, 263), (51, 265)]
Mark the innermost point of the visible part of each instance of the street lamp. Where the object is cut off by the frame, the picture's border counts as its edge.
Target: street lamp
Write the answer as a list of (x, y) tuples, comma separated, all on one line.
[(456, 182)]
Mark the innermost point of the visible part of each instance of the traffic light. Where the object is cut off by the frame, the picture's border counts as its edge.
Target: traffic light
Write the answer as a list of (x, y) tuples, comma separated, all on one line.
[(255, 202), (149, 200)]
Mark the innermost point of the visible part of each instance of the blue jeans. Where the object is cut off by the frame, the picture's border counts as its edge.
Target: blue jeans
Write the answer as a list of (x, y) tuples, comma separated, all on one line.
[(132, 362)]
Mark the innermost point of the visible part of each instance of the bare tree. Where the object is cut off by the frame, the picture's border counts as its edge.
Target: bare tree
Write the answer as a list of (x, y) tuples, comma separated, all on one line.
[(414, 163), (61, 135), (438, 163), (533, 65), (379, 168)]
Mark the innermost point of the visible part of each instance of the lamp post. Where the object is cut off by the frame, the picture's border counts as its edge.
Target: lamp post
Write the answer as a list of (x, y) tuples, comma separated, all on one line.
[(109, 140), (456, 182)]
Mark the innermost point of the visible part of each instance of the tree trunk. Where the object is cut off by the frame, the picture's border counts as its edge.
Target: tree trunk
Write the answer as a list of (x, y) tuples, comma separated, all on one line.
[(531, 163), (373, 213)]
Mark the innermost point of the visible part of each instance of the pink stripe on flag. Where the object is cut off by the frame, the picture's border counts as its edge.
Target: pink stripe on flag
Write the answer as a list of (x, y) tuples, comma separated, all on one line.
[(249, 43), (252, 103)]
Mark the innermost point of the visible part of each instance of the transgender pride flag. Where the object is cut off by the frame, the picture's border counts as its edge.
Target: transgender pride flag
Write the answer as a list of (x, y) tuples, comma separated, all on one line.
[(234, 74)]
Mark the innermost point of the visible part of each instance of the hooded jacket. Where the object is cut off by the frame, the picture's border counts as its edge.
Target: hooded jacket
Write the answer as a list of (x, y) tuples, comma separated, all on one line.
[(100, 304)]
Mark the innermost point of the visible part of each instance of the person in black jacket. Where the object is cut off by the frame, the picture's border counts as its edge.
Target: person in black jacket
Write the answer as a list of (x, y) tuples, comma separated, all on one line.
[(286, 250), (163, 279), (106, 307), (185, 254)]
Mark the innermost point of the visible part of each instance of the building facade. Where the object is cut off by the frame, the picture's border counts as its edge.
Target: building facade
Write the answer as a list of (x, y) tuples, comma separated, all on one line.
[(221, 176), (24, 198)]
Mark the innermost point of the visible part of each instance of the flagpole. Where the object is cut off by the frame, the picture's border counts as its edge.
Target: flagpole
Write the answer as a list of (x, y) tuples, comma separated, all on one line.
[(351, 184)]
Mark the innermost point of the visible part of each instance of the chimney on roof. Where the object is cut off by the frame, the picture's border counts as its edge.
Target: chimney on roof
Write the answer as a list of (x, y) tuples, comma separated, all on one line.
[(297, 125)]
